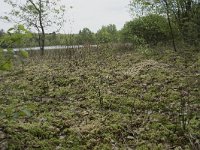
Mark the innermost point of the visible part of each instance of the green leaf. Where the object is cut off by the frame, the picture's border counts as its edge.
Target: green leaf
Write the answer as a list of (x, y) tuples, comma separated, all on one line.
[(6, 66), (23, 53), (21, 27)]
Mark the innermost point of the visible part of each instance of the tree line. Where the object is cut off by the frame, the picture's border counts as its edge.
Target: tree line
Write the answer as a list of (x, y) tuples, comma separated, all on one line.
[(106, 34)]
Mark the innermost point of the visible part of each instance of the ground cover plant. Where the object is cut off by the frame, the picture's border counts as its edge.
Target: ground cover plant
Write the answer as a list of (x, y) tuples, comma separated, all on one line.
[(102, 99)]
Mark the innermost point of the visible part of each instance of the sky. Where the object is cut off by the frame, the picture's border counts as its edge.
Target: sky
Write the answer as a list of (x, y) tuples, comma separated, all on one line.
[(86, 13)]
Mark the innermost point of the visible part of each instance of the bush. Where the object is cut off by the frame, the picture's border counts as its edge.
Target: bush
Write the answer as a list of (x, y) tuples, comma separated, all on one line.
[(6, 58), (151, 29), (14, 37)]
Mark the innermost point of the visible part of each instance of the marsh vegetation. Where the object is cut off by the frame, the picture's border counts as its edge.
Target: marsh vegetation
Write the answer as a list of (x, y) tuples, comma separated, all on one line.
[(137, 88)]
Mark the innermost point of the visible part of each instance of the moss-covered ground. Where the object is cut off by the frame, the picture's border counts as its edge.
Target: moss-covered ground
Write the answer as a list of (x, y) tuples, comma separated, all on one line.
[(102, 100)]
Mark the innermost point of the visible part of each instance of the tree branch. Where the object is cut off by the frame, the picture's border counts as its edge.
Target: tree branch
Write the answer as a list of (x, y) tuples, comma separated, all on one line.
[(34, 5)]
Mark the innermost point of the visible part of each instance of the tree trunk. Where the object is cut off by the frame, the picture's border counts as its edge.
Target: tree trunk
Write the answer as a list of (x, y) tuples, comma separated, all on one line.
[(42, 43), (39, 40), (40, 36), (170, 26), (42, 28)]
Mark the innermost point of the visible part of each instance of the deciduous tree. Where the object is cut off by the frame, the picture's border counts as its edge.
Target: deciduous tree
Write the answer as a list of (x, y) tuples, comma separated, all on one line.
[(37, 15), (86, 36)]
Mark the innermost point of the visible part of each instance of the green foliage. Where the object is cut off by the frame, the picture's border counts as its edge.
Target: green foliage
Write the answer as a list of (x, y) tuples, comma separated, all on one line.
[(6, 58), (127, 36), (107, 34), (23, 53), (14, 37), (150, 29), (86, 36), (183, 13), (103, 36)]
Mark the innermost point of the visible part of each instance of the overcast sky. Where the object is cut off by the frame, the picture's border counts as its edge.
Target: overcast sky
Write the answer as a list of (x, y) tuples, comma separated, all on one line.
[(87, 13)]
